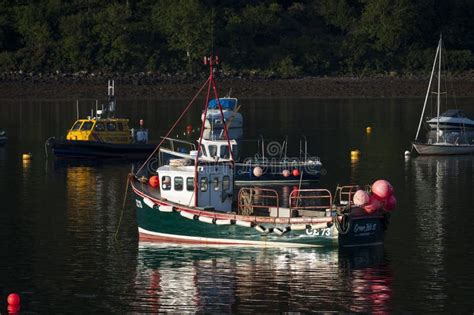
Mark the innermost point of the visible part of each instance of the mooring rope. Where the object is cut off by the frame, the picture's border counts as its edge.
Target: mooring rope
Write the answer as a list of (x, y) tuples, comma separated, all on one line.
[(123, 207)]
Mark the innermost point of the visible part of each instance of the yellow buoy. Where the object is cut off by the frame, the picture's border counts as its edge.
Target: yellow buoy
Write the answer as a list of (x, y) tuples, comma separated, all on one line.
[(27, 156), (355, 154), (368, 129)]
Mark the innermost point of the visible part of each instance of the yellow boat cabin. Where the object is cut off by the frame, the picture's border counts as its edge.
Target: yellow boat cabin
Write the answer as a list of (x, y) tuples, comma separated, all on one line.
[(111, 130)]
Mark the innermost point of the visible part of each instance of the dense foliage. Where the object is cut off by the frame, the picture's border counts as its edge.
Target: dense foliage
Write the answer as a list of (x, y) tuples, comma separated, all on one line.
[(270, 38)]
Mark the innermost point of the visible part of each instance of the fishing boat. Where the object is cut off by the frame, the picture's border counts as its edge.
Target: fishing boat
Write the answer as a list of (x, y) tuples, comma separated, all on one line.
[(195, 201), (3, 137), (103, 136), (230, 112), (443, 141)]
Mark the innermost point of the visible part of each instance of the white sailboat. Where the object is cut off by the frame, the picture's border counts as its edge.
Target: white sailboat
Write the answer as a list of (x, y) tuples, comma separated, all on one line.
[(444, 142)]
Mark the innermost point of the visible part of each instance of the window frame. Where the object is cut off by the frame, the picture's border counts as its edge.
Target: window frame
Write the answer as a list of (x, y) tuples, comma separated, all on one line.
[(175, 187), (165, 186)]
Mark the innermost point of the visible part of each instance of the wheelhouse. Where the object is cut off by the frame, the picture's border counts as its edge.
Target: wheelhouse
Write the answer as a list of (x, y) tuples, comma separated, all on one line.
[(214, 185), (100, 130)]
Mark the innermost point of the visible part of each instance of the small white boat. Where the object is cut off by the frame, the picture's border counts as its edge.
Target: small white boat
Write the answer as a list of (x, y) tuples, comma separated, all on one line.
[(452, 119), (230, 108), (450, 136), (443, 148)]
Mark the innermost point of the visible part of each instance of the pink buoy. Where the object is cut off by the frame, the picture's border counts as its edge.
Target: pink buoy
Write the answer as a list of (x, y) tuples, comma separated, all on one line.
[(257, 171), (361, 198), (13, 299), (373, 205), (382, 189), (390, 203), (285, 173)]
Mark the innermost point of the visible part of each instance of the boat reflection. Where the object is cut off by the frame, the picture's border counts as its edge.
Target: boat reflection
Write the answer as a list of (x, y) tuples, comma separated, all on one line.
[(216, 279), (86, 187)]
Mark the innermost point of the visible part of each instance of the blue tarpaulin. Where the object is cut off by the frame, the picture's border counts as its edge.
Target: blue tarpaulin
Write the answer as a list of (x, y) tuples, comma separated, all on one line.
[(226, 103)]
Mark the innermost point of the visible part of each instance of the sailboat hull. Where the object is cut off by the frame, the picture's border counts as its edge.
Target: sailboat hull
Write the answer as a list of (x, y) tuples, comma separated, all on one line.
[(443, 149)]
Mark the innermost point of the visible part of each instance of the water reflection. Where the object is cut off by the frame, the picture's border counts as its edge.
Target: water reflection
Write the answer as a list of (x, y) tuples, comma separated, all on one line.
[(207, 279), (439, 186)]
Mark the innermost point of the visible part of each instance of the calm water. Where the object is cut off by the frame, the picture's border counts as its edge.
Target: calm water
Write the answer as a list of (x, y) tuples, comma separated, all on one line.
[(58, 222)]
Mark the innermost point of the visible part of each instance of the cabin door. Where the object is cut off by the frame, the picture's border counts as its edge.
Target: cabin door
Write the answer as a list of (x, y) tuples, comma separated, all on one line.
[(204, 191), (215, 190)]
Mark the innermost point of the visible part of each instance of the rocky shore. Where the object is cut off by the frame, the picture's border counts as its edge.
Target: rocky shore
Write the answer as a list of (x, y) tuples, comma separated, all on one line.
[(91, 86)]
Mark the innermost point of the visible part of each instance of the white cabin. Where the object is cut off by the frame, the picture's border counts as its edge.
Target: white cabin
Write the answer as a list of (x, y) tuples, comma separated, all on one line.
[(215, 185)]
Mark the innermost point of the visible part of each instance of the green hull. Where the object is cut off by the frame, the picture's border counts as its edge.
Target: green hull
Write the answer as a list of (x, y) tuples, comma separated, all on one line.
[(157, 226)]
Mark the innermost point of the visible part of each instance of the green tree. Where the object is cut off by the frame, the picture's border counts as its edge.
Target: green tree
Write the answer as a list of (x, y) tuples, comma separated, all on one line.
[(111, 28), (188, 27), (77, 41), (37, 26)]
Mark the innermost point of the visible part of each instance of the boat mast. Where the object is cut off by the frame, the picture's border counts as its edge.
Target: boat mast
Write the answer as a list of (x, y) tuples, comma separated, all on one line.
[(438, 101), (427, 92)]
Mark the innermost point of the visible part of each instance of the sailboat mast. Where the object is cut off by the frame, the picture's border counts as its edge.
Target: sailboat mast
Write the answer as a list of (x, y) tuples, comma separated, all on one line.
[(427, 93), (438, 100)]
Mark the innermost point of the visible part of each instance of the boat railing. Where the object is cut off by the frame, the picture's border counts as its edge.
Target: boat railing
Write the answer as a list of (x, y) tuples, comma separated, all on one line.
[(258, 201), (174, 143), (344, 194), (310, 200)]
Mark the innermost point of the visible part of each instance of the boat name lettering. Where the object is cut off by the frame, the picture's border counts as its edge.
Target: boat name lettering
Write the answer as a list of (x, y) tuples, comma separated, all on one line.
[(368, 227), (319, 232)]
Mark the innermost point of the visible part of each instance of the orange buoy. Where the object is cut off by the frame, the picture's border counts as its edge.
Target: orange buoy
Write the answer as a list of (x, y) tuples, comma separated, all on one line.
[(154, 181), (13, 299), (296, 172)]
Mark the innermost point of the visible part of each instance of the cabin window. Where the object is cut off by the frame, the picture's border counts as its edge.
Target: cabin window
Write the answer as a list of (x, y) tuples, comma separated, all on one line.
[(212, 150), (99, 126), (77, 125), (87, 125), (225, 183), (111, 126), (215, 183), (166, 183), (190, 184), (178, 183), (120, 126), (204, 184), (224, 152)]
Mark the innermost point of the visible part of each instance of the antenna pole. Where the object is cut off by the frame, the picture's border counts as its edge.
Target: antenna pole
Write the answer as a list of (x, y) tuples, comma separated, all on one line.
[(77, 109)]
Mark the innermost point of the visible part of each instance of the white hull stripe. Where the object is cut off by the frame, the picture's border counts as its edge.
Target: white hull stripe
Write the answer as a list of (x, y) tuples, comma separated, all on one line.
[(205, 240)]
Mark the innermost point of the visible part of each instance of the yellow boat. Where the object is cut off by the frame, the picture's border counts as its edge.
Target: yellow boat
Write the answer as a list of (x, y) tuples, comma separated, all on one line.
[(103, 136)]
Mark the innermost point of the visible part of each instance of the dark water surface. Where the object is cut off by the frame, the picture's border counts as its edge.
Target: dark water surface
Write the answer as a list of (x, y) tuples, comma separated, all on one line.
[(58, 221)]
